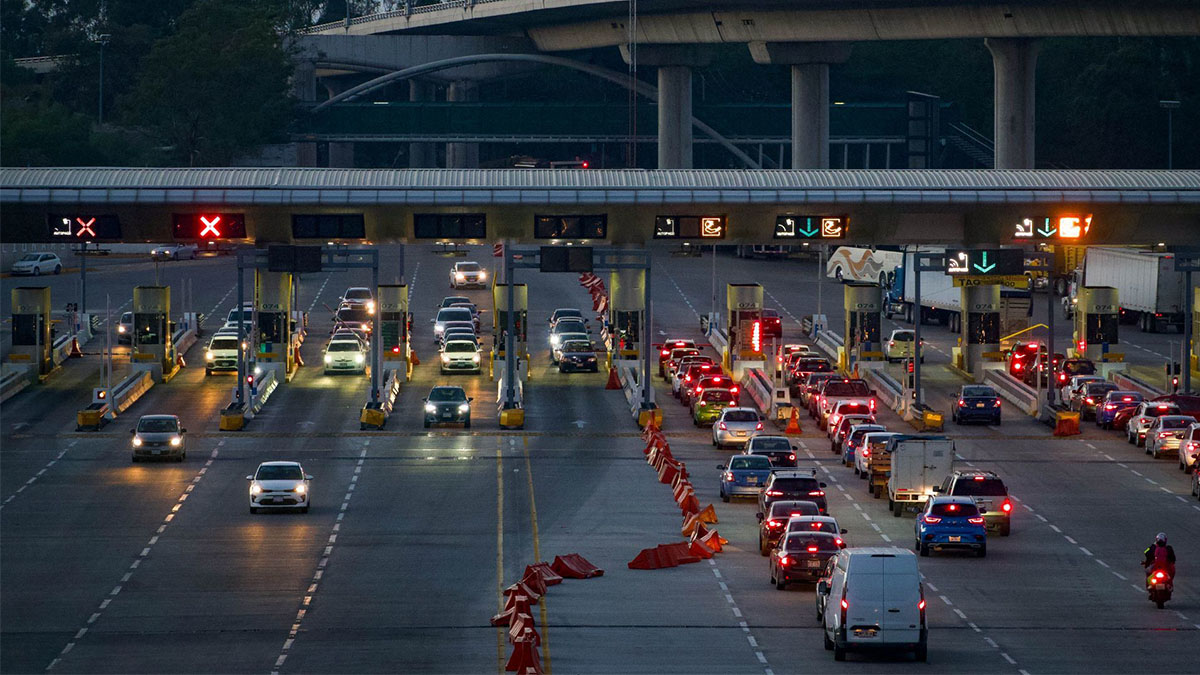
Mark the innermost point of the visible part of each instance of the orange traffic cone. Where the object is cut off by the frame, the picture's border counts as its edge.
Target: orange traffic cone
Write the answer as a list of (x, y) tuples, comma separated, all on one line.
[(75, 353), (614, 382), (793, 426), (413, 358)]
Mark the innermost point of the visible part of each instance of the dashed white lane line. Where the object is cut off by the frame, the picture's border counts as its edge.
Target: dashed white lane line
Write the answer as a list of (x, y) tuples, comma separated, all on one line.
[(682, 294), (133, 566), (215, 311), (322, 564), (320, 291), (737, 612), (39, 474)]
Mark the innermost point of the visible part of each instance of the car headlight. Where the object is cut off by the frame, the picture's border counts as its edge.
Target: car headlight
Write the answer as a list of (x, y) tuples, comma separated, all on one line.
[(176, 442), (328, 358), (137, 442), (554, 340), (430, 408), (370, 307), (464, 408), (120, 329), (301, 489), (482, 275), (358, 358), (438, 328), (209, 356), (445, 358), (475, 358), (255, 489), (460, 276)]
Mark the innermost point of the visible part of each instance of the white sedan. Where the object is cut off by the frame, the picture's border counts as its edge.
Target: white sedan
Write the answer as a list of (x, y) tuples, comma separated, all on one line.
[(279, 485)]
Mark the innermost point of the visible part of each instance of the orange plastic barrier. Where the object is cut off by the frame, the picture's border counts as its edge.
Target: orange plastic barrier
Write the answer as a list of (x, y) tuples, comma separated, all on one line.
[(549, 576), (575, 566)]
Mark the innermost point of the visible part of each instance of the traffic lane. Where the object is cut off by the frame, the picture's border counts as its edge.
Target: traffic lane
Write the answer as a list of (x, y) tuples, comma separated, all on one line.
[(196, 398), (223, 582), (68, 541), (412, 575)]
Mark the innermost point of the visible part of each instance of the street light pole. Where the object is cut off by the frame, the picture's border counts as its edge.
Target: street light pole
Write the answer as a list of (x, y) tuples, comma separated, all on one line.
[(102, 40), (1170, 107)]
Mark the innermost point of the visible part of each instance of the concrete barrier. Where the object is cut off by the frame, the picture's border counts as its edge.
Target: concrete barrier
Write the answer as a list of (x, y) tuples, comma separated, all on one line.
[(1018, 393), (268, 381), (886, 389), (1126, 381), (14, 380), (628, 373), (129, 391), (183, 339), (375, 415), (830, 343)]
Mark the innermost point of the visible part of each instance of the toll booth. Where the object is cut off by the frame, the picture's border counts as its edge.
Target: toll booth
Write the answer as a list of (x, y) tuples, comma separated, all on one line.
[(1097, 316), (863, 327), (500, 323), (743, 307), (627, 312), (981, 325), (153, 348), (31, 339), (1195, 346), (394, 325), (273, 310)]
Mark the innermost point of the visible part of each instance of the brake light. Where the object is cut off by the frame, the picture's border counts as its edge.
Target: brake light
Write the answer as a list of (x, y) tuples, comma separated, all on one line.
[(1090, 400), (978, 520), (792, 457), (921, 605), (953, 507), (815, 526), (866, 452), (845, 607), (978, 477), (811, 549), (932, 520), (1006, 506), (774, 523), (729, 476), (666, 352), (1126, 399), (1159, 576), (1110, 406), (1018, 365), (733, 390), (723, 427), (816, 493), (996, 403), (961, 403), (891, 343), (774, 493), (1062, 377), (871, 404), (687, 378), (758, 427), (1166, 434), (839, 542), (783, 560)]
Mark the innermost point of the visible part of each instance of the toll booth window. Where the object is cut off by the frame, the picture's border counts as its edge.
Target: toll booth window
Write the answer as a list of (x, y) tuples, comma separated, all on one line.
[(1101, 328), (570, 227), (270, 327), (148, 329), (625, 327), (450, 226), (865, 327), (983, 328), (24, 331), (326, 226)]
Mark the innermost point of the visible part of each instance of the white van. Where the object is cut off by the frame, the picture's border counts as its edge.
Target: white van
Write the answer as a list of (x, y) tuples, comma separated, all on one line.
[(874, 600)]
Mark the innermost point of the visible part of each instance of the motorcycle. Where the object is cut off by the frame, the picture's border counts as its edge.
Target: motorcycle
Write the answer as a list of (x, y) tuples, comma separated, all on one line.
[(1159, 585)]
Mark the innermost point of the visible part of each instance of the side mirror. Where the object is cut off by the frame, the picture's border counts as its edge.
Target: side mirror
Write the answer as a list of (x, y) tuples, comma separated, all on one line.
[(470, 398), (183, 431), (433, 321), (307, 477), (845, 530), (823, 485), (424, 400), (250, 477), (823, 588), (720, 467), (938, 489), (759, 515), (133, 431), (796, 448)]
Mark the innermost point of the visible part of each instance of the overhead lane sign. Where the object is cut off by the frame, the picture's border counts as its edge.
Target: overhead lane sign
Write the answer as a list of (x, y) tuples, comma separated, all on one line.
[(208, 226), (71, 227), (985, 262), (1069, 227), (810, 227), (689, 227)]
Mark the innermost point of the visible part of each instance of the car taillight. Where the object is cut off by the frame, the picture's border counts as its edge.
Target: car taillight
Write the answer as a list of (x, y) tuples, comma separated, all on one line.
[(733, 390), (687, 378), (792, 457), (758, 427), (723, 427), (978, 520), (1062, 377), (666, 353), (834, 421), (866, 452), (1018, 366), (840, 543), (729, 476), (816, 493), (811, 549), (783, 560), (1166, 434), (1159, 576), (996, 403), (774, 523), (1006, 506), (932, 520), (845, 606), (891, 343), (1090, 401), (1110, 406), (774, 493), (961, 403), (921, 605), (871, 405)]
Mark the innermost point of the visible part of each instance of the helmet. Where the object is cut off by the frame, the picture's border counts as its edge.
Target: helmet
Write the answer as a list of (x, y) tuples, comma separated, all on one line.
[(1160, 538)]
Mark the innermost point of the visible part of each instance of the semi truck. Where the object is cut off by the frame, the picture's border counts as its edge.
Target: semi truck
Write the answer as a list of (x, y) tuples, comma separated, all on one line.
[(918, 465), (1149, 290), (941, 300)]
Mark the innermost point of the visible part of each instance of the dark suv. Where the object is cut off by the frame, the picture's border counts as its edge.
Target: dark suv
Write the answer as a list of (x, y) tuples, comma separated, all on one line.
[(990, 495), (795, 485), (773, 522), (447, 405)]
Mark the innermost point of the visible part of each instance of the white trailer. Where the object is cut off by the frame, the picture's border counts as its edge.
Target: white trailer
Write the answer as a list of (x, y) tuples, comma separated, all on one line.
[(1149, 290), (919, 464)]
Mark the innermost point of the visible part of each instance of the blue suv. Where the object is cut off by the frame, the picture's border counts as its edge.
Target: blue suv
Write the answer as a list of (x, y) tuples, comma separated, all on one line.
[(951, 522)]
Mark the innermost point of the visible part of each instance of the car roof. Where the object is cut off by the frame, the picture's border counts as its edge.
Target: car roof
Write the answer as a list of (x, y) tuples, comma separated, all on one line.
[(796, 473), (739, 409), (465, 262), (963, 473), (159, 417), (448, 386), (950, 499), (767, 436), (470, 342), (280, 463), (1176, 417)]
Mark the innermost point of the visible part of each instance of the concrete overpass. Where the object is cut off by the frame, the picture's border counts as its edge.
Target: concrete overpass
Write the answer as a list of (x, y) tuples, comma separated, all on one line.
[(807, 35), (877, 206)]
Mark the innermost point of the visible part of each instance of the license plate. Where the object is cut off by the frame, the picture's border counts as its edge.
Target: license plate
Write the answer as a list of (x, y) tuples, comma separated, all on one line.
[(953, 539), (864, 632), (752, 480), (978, 405), (447, 416), (1160, 587), (156, 452), (812, 563), (739, 433)]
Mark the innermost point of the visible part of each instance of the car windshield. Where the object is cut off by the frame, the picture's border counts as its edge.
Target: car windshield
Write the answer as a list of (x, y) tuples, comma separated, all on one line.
[(980, 486), (280, 472), (454, 314), (160, 425), (954, 509), (1130, 398), (570, 326), (358, 294), (454, 299), (978, 392), (1079, 368), (790, 508), (796, 484), (859, 433), (572, 337), (1158, 410), (127, 317), (853, 408), (846, 388), (223, 343), (1098, 388), (468, 267), (447, 394), (30, 257), (750, 462), (1177, 422), (461, 347), (806, 540), (717, 396), (343, 346), (902, 336), (813, 365), (770, 314), (814, 526), (460, 334), (815, 379), (741, 416), (676, 353), (770, 443), (567, 314), (577, 346), (469, 306), (354, 314)]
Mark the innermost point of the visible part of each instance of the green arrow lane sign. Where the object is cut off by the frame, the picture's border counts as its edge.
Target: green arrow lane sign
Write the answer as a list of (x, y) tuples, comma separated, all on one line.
[(808, 230), (1046, 230), (984, 267)]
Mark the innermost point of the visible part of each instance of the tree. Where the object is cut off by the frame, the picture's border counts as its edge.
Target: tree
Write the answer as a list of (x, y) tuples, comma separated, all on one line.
[(218, 87)]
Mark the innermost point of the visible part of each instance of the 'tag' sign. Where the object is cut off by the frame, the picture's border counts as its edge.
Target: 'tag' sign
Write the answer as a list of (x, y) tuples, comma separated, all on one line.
[(1068, 227), (84, 228), (209, 226)]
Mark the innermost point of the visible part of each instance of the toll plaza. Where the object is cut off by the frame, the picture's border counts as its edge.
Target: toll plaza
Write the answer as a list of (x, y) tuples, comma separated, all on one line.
[(1097, 322), (743, 307), (395, 325), (31, 341), (153, 347), (863, 305)]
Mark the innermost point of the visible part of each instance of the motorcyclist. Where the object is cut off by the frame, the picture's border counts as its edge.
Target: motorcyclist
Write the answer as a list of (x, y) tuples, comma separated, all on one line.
[(1160, 556)]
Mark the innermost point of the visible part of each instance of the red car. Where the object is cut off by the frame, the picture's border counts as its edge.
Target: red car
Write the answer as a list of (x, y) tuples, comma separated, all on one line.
[(772, 324), (1021, 357)]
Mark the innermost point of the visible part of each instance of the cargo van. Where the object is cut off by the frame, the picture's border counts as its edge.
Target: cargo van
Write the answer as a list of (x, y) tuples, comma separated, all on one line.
[(874, 601)]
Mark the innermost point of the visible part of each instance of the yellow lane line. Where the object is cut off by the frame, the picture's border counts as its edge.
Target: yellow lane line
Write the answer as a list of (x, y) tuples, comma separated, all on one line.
[(537, 557), (500, 553)]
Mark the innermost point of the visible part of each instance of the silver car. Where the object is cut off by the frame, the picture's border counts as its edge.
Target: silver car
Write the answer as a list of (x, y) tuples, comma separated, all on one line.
[(1189, 448), (736, 426), (1166, 433), (1143, 417), (279, 485), (158, 436)]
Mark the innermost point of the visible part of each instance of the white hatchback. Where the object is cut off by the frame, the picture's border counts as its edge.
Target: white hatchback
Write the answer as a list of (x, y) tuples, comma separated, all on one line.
[(279, 485), (37, 263)]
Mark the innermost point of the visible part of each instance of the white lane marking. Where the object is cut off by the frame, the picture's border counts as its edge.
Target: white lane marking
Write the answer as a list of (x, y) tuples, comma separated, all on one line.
[(317, 297), (1085, 551), (39, 474)]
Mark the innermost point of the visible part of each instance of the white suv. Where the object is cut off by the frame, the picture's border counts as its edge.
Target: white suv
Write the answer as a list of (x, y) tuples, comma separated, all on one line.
[(222, 353), (468, 275), (36, 263)]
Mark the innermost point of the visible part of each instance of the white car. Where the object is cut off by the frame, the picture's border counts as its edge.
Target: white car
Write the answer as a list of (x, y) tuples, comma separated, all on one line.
[(448, 314), (875, 441), (174, 252), (1143, 417), (1189, 448), (222, 353), (900, 345), (564, 327), (736, 426), (345, 354), (460, 355), (158, 436), (814, 524), (843, 407), (359, 296), (37, 263), (468, 275), (562, 339), (568, 313), (125, 328), (1076, 384), (279, 485), (1167, 434)]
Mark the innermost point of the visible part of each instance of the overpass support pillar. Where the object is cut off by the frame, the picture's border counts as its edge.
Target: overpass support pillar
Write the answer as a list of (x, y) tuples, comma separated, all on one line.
[(675, 64), (1014, 62), (810, 94), (462, 155), (420, 155), (304, 88)]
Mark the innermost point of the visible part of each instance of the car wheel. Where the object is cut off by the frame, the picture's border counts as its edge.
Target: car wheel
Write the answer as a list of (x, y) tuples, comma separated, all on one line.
[(997, 422), (921, 653), (58, 269), (175, 256), (1006, 530), (922, 549), (37, 271), (982, 552), (828, 642), (253, 510), (467, 424), (724, 497), (780, 584), (426, 424), (304, 509), (134, 458), (897, 508), (839, 653)]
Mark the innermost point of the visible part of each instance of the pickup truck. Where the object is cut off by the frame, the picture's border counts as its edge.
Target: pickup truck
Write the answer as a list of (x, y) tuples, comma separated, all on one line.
[(841, 388)]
